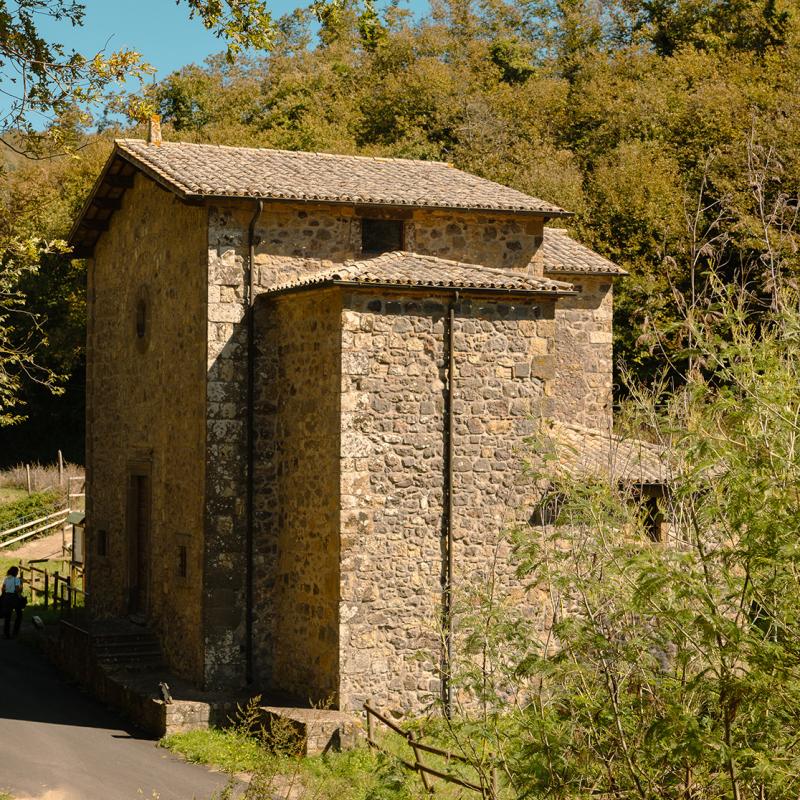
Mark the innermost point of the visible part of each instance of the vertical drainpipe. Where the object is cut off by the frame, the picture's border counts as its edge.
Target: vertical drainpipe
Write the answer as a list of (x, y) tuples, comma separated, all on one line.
[(250, 435), (447, 578)]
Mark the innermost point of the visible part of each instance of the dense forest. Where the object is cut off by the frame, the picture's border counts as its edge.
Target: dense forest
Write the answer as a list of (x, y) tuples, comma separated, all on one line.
[(671, 128)]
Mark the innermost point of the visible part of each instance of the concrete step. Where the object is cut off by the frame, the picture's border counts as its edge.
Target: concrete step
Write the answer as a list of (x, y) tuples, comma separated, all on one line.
[(133, 664), (113, 647), (121, 655), (131, 650), (121, 638)]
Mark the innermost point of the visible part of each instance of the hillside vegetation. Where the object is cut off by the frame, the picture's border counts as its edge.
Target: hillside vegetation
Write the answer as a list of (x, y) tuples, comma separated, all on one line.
[(671, 129)]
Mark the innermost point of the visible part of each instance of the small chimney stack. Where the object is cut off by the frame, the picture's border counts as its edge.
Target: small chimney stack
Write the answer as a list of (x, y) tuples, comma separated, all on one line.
[(154, 130)]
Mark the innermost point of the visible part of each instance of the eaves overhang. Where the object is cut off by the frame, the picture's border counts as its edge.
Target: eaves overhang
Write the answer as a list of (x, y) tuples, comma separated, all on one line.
[(417, 288), (120, 169)]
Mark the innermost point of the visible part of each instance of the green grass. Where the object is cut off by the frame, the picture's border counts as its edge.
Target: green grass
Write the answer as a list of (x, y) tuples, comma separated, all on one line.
[(34, 505), (8, 559), (10, 494), (229, 750), (359, 774)]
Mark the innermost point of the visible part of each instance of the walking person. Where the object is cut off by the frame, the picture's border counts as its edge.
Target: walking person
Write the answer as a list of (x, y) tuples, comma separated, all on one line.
[(12, 601)]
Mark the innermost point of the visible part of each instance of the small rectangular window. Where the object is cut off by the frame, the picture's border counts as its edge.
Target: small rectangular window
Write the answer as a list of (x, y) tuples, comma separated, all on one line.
[(102, 543), (653, 519), (546, 513), (183, 561), (381, 235)]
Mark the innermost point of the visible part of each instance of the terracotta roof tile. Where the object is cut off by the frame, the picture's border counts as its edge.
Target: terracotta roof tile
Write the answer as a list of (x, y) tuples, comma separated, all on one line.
[(205, 170), (562, 254), (589, 451), (412, 269)]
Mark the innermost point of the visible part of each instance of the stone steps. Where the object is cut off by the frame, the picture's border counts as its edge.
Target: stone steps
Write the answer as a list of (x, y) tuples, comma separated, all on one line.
[(133, 651)]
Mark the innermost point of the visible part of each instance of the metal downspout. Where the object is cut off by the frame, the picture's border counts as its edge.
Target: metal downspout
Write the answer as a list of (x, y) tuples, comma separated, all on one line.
[(447, 583), (250, 435)]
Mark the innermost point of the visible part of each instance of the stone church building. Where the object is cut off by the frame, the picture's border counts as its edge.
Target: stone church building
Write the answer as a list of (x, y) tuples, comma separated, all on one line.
[(310, 379)]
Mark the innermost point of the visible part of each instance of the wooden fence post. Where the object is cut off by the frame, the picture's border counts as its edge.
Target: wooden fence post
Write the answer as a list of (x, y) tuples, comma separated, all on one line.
[(60, 470), (28, 477), (424, 775), (370, 726), (46, 586)]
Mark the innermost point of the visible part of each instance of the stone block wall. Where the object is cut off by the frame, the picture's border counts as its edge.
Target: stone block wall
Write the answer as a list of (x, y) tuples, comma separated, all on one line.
[(505, 370), (392, 483), (297, 496), (584, 363), (393, 394), (292, 239), (146, 403), (494, 241), (286, 238)]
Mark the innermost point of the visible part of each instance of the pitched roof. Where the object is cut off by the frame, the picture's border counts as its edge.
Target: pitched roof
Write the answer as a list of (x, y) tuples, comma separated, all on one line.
[(589, 451), (404, 269), (562, 254), (206, 170)]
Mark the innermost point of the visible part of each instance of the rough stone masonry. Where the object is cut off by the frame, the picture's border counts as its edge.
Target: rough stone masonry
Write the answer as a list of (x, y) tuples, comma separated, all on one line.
[(340, 597)]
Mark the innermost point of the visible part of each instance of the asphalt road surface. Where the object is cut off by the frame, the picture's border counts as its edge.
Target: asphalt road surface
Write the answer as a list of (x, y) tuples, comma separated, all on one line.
[(60, 744)]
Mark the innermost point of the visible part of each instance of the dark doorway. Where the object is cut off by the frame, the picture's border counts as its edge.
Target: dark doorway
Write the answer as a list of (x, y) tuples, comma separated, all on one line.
[(139, 540)]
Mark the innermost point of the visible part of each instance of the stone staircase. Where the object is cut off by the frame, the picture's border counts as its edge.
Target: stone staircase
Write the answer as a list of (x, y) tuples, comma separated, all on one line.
[(131, 650)]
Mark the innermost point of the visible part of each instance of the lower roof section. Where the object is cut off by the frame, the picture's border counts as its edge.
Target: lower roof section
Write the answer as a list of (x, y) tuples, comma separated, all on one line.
[(405, 270), (584, 452)]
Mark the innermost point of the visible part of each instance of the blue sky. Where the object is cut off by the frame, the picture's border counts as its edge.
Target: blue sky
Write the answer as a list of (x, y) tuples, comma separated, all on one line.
[(158, 29)]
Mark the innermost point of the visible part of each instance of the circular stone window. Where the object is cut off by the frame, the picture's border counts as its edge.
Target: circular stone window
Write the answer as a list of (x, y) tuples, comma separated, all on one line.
[(141, 318)]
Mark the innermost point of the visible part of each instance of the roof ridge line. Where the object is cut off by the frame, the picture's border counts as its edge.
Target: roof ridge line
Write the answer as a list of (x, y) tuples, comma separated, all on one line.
[(298, 152)]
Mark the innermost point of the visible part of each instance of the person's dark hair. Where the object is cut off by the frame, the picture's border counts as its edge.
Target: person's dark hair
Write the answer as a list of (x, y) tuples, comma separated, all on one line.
[(13, 571)]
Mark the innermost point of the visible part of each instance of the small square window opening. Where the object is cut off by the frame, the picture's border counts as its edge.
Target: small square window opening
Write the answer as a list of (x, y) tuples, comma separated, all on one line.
[(381, 235), (546, 513)]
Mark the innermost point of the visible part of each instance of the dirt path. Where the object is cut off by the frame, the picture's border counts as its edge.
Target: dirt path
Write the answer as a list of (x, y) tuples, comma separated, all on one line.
[(59, 744), (46, 547)]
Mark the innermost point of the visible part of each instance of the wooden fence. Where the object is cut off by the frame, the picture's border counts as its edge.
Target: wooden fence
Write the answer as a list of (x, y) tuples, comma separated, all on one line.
[(486, 789), (25, 528), (60, 592)]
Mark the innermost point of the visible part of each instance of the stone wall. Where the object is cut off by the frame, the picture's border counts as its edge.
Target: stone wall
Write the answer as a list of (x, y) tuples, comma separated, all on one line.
[(505, 359), (393, 390), (584, 353), (297, 496), (146, 404), (285, 237), (292, 239), (391, 484), (500, 241)]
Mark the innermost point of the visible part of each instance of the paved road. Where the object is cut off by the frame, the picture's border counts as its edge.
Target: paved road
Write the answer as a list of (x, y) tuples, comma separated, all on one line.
[(59, 744)]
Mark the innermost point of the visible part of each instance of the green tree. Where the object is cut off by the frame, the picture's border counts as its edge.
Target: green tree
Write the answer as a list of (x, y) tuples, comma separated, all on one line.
[(48, 90), (670, 669)]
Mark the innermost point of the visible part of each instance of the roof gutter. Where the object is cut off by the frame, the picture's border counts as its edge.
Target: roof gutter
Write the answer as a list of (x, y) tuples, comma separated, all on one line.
[(250, 436), (415, 287), (448, 452)]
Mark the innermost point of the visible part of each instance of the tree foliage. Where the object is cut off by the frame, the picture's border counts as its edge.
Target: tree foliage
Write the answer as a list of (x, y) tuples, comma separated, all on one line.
[(48, 91), (668, 669), (654, 145)]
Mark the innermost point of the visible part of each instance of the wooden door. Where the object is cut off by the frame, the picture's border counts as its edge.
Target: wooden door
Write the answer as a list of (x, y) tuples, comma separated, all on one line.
[(139, 542)]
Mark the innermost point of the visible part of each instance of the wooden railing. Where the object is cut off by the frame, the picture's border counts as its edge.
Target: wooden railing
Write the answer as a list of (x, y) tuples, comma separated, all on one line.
[(486, 789), (33, 527), (58, 591)]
